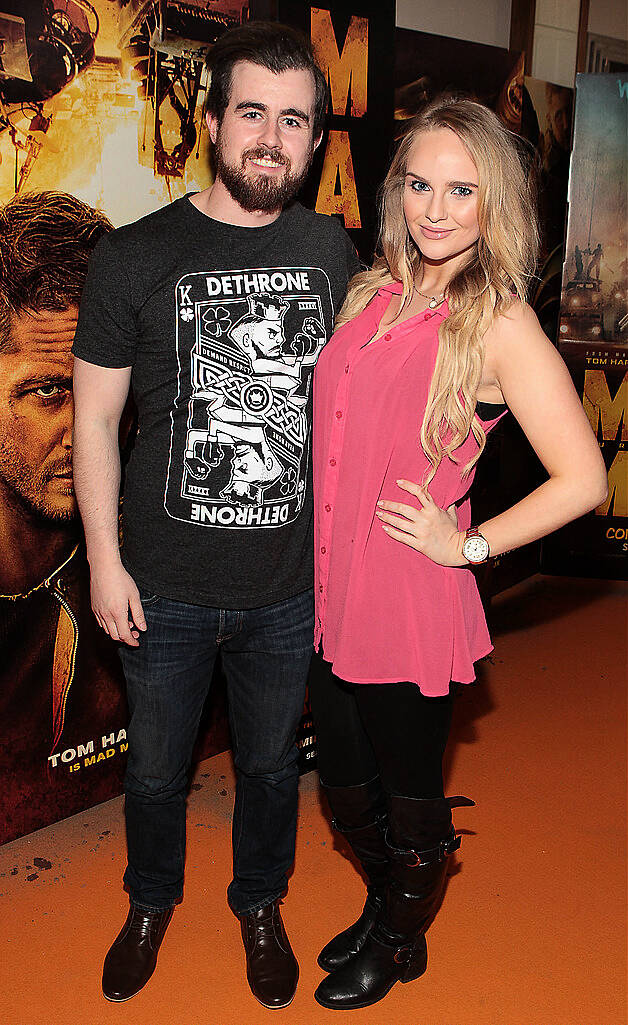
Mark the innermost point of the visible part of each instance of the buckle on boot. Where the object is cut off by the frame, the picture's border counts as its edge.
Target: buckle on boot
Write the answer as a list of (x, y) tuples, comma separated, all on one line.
[(428, 855), (357, 831), (402, 955), (412, 859), (451, 844), (406, 857)]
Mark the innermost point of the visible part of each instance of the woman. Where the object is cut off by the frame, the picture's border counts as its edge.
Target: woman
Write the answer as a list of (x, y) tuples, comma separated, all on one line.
[(433, 344)]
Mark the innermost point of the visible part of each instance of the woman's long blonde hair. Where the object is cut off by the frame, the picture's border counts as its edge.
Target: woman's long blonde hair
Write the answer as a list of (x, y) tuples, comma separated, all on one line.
[(497, 273)]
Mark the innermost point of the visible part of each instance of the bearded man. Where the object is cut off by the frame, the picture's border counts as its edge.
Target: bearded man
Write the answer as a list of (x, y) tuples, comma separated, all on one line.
[(61, 686), (206, 568)]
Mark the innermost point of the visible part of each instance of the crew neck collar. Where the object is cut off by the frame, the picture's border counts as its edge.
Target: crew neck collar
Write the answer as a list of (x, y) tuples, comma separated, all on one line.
[(235, 230)]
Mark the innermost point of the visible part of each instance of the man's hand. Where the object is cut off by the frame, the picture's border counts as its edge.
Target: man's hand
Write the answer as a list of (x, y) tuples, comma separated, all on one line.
[(116, 603)]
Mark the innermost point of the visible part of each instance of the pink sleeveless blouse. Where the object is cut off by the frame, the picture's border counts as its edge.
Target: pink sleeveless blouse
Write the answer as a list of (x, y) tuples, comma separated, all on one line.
[(385, 612)]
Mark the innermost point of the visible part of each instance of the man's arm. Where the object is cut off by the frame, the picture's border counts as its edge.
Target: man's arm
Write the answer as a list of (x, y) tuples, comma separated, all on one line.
[(99, 397)]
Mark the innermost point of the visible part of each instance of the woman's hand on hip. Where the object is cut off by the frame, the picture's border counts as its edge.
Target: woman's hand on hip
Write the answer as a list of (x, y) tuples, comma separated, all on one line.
[(427, 528)]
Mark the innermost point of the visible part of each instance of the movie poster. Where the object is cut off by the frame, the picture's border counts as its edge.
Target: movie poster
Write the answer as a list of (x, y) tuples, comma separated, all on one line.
[(593, 328), (354, 43), (101, 102), (546, 122)]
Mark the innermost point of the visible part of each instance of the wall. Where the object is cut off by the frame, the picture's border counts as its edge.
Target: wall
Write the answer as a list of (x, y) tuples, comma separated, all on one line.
[(477, 21), (556, 34), (608, 18), (488, 21), (556, 41)]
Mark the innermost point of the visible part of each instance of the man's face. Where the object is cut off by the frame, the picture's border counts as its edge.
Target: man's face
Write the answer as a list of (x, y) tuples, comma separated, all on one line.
[(264, 143), (36, 414), (247, 465), (559, 117), (266, 338)]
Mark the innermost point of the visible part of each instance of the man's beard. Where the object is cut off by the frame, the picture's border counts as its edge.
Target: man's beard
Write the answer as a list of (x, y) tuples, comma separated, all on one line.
[(261, 193), (25, 487)]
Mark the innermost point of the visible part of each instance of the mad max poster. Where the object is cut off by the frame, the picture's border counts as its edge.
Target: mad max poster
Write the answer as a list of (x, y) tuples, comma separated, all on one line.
[(593, 328), (354, 43), (101, 103)]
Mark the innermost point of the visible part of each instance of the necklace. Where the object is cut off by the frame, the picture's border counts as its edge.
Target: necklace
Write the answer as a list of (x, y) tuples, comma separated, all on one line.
[(42, 583), (435, 300)]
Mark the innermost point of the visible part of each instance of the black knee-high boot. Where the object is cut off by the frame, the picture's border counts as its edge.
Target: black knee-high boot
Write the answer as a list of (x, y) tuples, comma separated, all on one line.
[(359, 813), (420, 839)]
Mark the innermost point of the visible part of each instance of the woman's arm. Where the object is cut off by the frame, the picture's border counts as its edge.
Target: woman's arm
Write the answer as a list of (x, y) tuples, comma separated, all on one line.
[(524, 366), (538, 389)]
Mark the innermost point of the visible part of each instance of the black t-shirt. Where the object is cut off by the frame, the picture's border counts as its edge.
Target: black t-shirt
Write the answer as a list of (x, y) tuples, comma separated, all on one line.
[(222, 326)]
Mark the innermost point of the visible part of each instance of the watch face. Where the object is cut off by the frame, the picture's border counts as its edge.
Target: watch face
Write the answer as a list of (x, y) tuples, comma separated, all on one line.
[(475, 549)]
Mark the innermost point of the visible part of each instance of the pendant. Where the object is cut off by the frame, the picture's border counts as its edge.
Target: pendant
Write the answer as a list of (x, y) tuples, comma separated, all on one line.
[(433, 303)]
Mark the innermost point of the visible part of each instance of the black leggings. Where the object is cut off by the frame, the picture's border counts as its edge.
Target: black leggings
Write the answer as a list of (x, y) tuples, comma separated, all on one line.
[(389, 730)]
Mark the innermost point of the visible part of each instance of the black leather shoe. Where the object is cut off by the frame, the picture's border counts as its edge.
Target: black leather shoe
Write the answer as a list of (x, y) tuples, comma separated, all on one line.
[(131, 960), (271, 967)]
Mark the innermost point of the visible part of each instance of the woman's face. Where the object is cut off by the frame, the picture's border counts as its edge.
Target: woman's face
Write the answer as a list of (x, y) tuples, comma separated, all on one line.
[(440, 197)]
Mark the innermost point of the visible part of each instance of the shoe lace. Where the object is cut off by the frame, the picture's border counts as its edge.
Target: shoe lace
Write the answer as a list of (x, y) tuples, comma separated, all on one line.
[(142, 923), (267, 926)]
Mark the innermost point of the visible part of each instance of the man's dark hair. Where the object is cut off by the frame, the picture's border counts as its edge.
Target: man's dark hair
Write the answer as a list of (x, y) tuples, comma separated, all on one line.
[(254, 446), (46, 239), (270, 45)]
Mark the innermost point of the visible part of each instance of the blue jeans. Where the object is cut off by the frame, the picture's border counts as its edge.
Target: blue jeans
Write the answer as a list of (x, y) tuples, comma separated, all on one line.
[(265, 656)]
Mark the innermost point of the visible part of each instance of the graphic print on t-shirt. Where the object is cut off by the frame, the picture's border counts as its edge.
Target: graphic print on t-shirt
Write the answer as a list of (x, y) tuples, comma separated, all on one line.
[(247, 344)]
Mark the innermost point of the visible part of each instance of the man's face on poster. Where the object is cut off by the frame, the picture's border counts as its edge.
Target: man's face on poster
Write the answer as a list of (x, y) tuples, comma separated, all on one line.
[(36, 414), (559, 117)]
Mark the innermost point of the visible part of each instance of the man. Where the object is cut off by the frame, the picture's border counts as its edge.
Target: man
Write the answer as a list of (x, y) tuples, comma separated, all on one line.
[(579, 263), (554, 148), (207, 565), (559, 106), (61, 685), (593, 266)]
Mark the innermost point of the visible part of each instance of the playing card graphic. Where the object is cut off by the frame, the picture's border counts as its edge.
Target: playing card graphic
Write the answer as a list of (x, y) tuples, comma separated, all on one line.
[(247, 344)]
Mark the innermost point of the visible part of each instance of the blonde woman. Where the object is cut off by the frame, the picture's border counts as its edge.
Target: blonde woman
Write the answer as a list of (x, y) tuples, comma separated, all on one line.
[(433, 346)]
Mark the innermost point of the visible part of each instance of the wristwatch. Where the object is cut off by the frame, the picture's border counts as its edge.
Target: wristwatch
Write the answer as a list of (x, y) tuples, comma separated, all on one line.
[(475, 547)]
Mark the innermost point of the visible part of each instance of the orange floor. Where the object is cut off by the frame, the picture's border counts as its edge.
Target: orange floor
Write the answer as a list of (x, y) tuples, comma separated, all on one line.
[(532, 929)]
